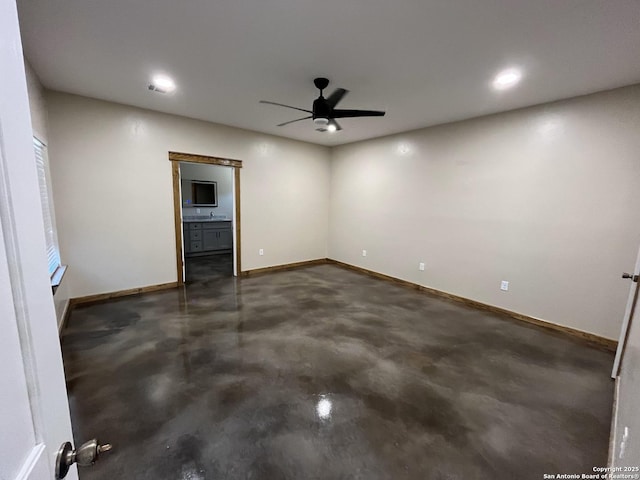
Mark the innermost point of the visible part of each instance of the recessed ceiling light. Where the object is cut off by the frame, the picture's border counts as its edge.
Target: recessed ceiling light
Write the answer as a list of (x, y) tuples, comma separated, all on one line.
[(162, 84), (331, 127), (507, 78)]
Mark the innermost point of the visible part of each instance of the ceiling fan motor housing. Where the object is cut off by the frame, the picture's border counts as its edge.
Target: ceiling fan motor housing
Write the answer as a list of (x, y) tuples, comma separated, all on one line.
[(321, 110)]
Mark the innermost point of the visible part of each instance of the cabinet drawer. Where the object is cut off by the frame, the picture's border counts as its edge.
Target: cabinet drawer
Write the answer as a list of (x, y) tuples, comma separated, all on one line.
[(216, 226), (195, 235), (195, 226), (196, 246)]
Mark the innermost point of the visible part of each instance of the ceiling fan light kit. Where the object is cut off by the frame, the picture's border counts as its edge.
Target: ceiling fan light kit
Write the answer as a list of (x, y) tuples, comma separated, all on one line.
[(323, 112)]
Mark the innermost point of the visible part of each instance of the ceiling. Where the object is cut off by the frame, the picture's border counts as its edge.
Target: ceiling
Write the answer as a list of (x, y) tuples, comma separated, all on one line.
[(425, 62)]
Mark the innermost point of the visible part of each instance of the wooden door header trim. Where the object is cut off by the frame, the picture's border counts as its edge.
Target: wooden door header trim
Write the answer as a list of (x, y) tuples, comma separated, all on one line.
[(190, 157)]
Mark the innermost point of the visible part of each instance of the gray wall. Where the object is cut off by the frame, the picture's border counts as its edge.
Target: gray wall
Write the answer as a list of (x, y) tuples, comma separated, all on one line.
[(113, 192), (543, 197)]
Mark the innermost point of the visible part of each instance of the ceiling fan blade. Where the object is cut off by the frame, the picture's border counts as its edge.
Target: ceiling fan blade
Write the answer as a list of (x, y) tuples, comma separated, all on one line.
[(336, 96), (336, 124), (291, 121), (287, 106), (356, 113)]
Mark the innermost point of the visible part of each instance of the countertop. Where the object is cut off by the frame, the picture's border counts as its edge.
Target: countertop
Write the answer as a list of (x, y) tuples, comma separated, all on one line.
[(203, 219), (206, 220)]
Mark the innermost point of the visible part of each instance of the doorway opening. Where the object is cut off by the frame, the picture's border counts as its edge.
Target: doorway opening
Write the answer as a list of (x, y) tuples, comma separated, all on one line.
[(206, 199)]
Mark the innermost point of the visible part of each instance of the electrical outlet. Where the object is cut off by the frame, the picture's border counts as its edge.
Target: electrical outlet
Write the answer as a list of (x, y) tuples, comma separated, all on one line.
[(421, 266), (261, 251), (197, 210), (364, 253), (504, 285)]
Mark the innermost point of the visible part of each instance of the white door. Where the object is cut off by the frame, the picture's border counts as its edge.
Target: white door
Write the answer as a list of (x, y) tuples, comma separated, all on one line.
[(631, 302), (34, 412)]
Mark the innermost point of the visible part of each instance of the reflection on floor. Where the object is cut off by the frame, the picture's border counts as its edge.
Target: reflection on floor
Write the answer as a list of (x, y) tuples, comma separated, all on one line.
[(210, 267), (323, 373)]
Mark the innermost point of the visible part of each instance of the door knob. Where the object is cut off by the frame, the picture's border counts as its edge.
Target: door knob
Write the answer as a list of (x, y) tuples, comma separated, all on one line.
[(632, 277), (85, 456)]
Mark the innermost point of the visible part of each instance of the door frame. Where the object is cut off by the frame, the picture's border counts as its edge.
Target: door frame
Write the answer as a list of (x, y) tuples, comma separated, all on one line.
[(175, 158)]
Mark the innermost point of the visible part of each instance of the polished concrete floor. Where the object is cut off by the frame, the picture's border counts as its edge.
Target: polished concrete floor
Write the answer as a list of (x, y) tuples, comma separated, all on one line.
[(323, 373), (209, 267)]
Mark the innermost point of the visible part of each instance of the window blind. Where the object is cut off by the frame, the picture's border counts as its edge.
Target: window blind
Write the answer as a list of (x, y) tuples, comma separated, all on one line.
[(53, 254)]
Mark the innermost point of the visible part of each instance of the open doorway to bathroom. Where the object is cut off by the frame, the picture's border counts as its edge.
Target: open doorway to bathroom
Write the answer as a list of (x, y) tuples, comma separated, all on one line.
[(207, 217), (207, 221)]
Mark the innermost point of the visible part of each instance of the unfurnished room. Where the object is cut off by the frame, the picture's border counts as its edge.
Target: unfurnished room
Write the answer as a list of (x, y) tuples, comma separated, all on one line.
[(319, 240)]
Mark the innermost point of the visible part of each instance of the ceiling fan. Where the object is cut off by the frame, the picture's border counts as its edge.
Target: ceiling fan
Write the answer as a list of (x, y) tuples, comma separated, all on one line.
[(323, 112)]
